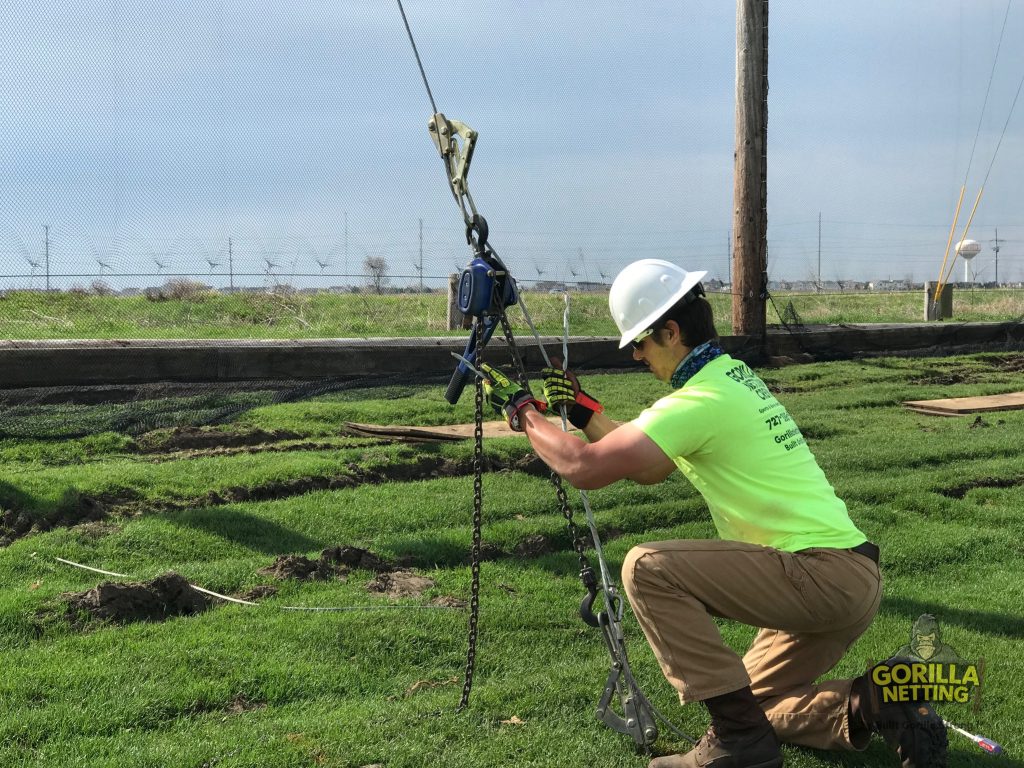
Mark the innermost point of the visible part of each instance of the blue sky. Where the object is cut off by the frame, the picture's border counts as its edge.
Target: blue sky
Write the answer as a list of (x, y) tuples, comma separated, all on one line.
[(146, 132)]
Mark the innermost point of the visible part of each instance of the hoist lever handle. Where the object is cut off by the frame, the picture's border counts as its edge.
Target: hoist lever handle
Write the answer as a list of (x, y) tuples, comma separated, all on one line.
[(587, 605), (463, 374), (460, 379)]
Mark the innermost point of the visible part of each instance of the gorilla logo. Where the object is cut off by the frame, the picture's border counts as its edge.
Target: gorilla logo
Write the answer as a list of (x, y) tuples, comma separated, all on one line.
[(926, 644)]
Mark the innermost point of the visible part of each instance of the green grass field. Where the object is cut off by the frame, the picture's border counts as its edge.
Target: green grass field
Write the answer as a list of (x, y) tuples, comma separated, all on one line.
[(209, 315), (260, 686)]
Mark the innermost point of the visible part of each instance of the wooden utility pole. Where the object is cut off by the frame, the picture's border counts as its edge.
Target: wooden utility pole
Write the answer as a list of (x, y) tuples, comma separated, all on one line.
[(750, 195)]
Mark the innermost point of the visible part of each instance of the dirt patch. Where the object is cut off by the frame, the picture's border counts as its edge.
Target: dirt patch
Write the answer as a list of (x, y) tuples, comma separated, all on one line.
[(1012, 364), (608, 534), (355, 557), (241, 703), (302, 568), (531, 464), (959, 491), (162, 598), (333, 563), (942, 379), (488, 551), (259, 592), (191, 438), (777, 388), (448, 601), (400, 584), (533, 546), (96, 530)]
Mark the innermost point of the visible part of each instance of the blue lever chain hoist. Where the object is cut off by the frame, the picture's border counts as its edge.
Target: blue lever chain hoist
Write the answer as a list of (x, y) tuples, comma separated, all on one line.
[(486, 289)]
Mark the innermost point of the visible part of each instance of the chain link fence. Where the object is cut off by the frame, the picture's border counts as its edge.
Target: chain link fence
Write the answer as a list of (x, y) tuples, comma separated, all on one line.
[(242, 291)]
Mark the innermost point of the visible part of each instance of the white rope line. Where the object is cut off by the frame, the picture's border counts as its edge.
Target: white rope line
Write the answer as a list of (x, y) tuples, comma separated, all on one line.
[(320, 609), (197, 588), (94, 570)]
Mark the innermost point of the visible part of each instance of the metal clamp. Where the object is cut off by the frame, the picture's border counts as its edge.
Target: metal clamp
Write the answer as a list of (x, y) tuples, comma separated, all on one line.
[(637, 719), (446, 135)]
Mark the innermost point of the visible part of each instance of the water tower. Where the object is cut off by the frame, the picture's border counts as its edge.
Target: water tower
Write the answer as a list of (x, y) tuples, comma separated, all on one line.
[(967, 250)]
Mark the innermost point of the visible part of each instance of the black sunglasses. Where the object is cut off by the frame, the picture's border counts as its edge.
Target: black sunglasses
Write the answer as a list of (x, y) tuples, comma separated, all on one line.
[(639, 340), (690, 297)]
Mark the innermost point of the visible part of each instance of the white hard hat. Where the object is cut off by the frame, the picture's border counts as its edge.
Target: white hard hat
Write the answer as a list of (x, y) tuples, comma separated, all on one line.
[(644, 291)]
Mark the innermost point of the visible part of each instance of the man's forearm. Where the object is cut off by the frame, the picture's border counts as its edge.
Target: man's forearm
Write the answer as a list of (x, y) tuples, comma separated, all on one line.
[(624, 452), (559, 450), (599, 426)]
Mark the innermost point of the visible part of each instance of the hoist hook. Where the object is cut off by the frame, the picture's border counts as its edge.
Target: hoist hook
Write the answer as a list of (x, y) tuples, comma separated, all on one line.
[(589, 579), (476, 234)]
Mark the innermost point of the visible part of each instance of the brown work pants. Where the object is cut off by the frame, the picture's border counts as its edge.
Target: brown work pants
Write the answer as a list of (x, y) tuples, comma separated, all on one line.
[(811, 606)]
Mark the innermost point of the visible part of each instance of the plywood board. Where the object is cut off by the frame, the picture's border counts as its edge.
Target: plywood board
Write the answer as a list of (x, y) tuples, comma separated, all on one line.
[(958, 406)]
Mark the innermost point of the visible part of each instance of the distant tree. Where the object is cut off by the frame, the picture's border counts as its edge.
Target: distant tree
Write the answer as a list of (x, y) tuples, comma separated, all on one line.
[(377, 272), (101, 288)]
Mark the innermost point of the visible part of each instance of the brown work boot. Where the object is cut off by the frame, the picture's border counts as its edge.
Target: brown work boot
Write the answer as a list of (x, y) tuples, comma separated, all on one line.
[(740, 736), (912, 728)]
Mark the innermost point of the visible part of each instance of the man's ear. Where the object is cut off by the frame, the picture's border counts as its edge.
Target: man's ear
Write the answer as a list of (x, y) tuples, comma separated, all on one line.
[(674, 331)]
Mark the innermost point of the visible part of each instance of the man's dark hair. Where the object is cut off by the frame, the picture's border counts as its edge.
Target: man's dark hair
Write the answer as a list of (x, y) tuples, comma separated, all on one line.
[(695, 318)]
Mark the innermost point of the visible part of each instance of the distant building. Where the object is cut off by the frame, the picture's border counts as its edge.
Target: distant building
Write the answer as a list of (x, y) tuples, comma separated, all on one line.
[(549, 285), (890, 285)]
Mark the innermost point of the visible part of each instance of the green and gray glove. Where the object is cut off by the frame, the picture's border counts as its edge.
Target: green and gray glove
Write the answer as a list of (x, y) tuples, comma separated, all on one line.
[(507, 397), (562, 388)]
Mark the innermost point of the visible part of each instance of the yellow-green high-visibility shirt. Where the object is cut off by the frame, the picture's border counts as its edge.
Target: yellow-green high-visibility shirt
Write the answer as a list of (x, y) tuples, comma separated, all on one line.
[(741, 449)]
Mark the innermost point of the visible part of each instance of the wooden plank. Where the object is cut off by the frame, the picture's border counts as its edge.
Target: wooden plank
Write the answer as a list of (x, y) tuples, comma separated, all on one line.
[(958, 406), (443, 432)]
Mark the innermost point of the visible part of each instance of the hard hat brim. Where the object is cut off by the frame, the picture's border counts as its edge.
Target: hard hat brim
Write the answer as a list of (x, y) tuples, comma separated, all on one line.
[(692, 278)]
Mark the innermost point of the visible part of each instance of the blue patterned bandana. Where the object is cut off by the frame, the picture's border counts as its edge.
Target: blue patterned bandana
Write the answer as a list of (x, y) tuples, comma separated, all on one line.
[(699, 357)]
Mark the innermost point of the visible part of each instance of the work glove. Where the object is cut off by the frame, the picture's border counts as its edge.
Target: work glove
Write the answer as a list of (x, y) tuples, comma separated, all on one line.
[(562, 388), (507, 397)]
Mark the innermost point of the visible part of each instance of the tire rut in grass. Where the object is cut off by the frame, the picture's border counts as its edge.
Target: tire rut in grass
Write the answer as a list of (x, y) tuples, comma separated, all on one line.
[(74, 509), (201, 442), (200, 438), (291, 447), (960, 491), (78, 507), (1008, 363)]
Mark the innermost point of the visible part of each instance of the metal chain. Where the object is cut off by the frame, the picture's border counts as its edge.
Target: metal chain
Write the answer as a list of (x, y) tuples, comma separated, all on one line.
[(513, 349), (577, 539), (478, 506)]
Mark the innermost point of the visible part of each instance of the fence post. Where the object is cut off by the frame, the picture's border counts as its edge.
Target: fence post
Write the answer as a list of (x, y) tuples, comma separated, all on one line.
[(945, 307), (456, 319)]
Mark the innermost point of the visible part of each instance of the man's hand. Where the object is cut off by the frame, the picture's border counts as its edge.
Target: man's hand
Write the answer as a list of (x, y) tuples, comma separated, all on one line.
[(562, 388), (507, 397)]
